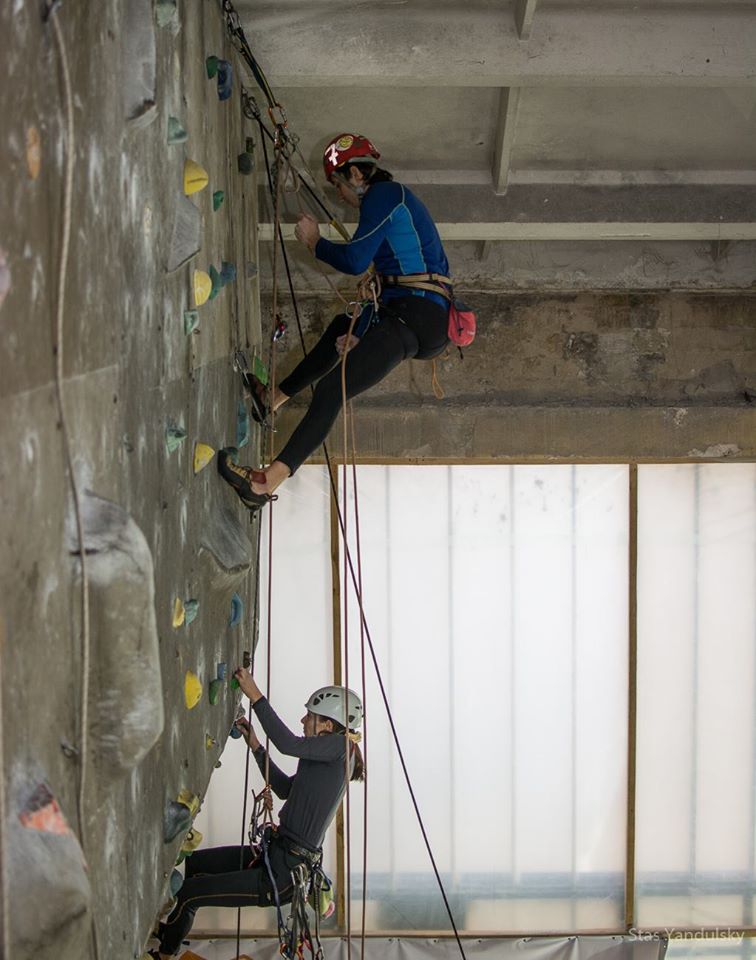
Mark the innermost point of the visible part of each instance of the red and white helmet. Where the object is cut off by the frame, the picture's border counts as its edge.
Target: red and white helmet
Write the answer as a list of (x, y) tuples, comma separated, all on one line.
[(345, 148)]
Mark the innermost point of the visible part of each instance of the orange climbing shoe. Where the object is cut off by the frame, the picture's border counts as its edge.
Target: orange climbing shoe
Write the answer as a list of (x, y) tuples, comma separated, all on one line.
[(241, 479)]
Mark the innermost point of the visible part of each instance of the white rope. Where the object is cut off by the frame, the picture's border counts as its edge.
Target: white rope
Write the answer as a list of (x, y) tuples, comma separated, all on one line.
[(58, 353)]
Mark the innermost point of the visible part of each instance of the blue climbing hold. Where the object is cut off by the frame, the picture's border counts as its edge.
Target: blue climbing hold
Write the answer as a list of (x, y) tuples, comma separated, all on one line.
[(176, 882), (222, 671), (225, 79), (235, 733), (228, 272), (242, 425), (237, 610), (191, 609)]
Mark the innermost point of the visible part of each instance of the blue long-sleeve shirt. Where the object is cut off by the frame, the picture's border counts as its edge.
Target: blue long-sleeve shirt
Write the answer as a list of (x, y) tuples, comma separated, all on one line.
[(314, 792), (397, 234)]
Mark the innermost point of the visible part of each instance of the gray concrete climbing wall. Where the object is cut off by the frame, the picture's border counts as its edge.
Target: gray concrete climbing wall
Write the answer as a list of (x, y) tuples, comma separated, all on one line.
[(140, 392)]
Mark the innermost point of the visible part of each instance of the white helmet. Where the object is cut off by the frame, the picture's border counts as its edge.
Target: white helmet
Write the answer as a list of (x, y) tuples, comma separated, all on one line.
[(329, 702)]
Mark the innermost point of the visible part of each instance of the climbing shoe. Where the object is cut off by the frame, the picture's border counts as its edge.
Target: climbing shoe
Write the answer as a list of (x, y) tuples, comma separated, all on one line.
[(241, 479), (258, 404)]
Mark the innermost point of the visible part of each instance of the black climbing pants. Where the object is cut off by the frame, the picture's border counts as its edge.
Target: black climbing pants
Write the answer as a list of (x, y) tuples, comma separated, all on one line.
[(410, 327), (213, 879)]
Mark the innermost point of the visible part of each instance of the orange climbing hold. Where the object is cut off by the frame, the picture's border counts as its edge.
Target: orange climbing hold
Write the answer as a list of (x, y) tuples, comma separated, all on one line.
[(33, 152)]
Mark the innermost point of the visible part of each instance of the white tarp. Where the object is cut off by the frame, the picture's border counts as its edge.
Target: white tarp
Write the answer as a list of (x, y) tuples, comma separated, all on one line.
[(644, 947)]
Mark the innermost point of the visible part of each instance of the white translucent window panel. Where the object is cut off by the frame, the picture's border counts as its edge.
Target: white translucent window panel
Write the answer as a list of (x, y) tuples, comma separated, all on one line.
[(301, 661), (694, 946), (696, 731), (497, 602)]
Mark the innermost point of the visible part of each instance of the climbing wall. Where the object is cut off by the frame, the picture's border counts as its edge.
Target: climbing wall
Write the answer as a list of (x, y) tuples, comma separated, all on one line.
[(160, 294)]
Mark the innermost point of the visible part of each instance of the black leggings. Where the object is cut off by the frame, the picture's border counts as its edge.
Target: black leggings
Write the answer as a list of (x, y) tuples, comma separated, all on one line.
[(213, 879), (410, 327)]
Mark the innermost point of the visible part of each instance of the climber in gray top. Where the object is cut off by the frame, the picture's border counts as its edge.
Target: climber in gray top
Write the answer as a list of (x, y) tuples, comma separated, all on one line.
[(312, 795)]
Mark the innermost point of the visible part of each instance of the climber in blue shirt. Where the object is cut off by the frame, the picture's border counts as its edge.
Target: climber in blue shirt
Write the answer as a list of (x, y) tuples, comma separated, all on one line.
[(395, 233)]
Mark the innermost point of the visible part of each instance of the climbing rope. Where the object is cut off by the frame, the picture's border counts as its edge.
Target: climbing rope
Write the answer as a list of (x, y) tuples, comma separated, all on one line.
[(356, 581), (50, 16)]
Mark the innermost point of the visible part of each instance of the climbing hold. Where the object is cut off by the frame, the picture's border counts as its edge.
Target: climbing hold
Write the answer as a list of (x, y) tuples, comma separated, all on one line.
[(191, 321), (42, 812), (235, 733), (195, 177), (176, 882), (192, 690), (166, 13), (225, 79), (228, 272), (174, 437), (234, 684), (192, 609), (222, 671), (203, 454), (211, 66), (177, 818), (186, 233), (217, 199), (216, 686), (237, 610), (176, 133), (210, 742), (218, 764), (179, 613), (250, 270), (190, 800), (193, 840), (33, 152), (246, 659), (242, 425), (245, 163), (5, 276), (216, 282), (260, 371), (203, 285)]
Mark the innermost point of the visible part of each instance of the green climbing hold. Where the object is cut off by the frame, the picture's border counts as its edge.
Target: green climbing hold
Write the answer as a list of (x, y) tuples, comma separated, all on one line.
[(176, 133), (191, 321), (174, 437), (215, 690), (234, 684), (211, 66), (191, 609), (260, 371), (166, 12), (216, 282), (217, 199)]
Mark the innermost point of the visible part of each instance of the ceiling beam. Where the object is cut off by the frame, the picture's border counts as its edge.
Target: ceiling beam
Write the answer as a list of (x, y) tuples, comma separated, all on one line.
[(565, 212), (305, 45), (524, 12), (509, 106), (554, 230)]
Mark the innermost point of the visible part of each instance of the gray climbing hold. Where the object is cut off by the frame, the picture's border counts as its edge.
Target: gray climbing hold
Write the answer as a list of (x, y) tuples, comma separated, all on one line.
[(177, 818), (127, 705), (186, 236), (138, 39), (176, 133)]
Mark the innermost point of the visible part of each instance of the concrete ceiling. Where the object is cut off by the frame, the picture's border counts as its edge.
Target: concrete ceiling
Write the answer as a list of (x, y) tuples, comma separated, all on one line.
[(561, 124)]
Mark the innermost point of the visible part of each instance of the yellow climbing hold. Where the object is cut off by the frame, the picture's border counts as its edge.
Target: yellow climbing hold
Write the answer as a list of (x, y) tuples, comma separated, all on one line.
[(195, 177), (193, 840), (190, 800), (192, 690), (179, 612), (202, 456), (203, 286)]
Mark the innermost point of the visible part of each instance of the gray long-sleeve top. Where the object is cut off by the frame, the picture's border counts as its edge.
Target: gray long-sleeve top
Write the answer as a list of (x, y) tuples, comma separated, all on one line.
[(314, 792)]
